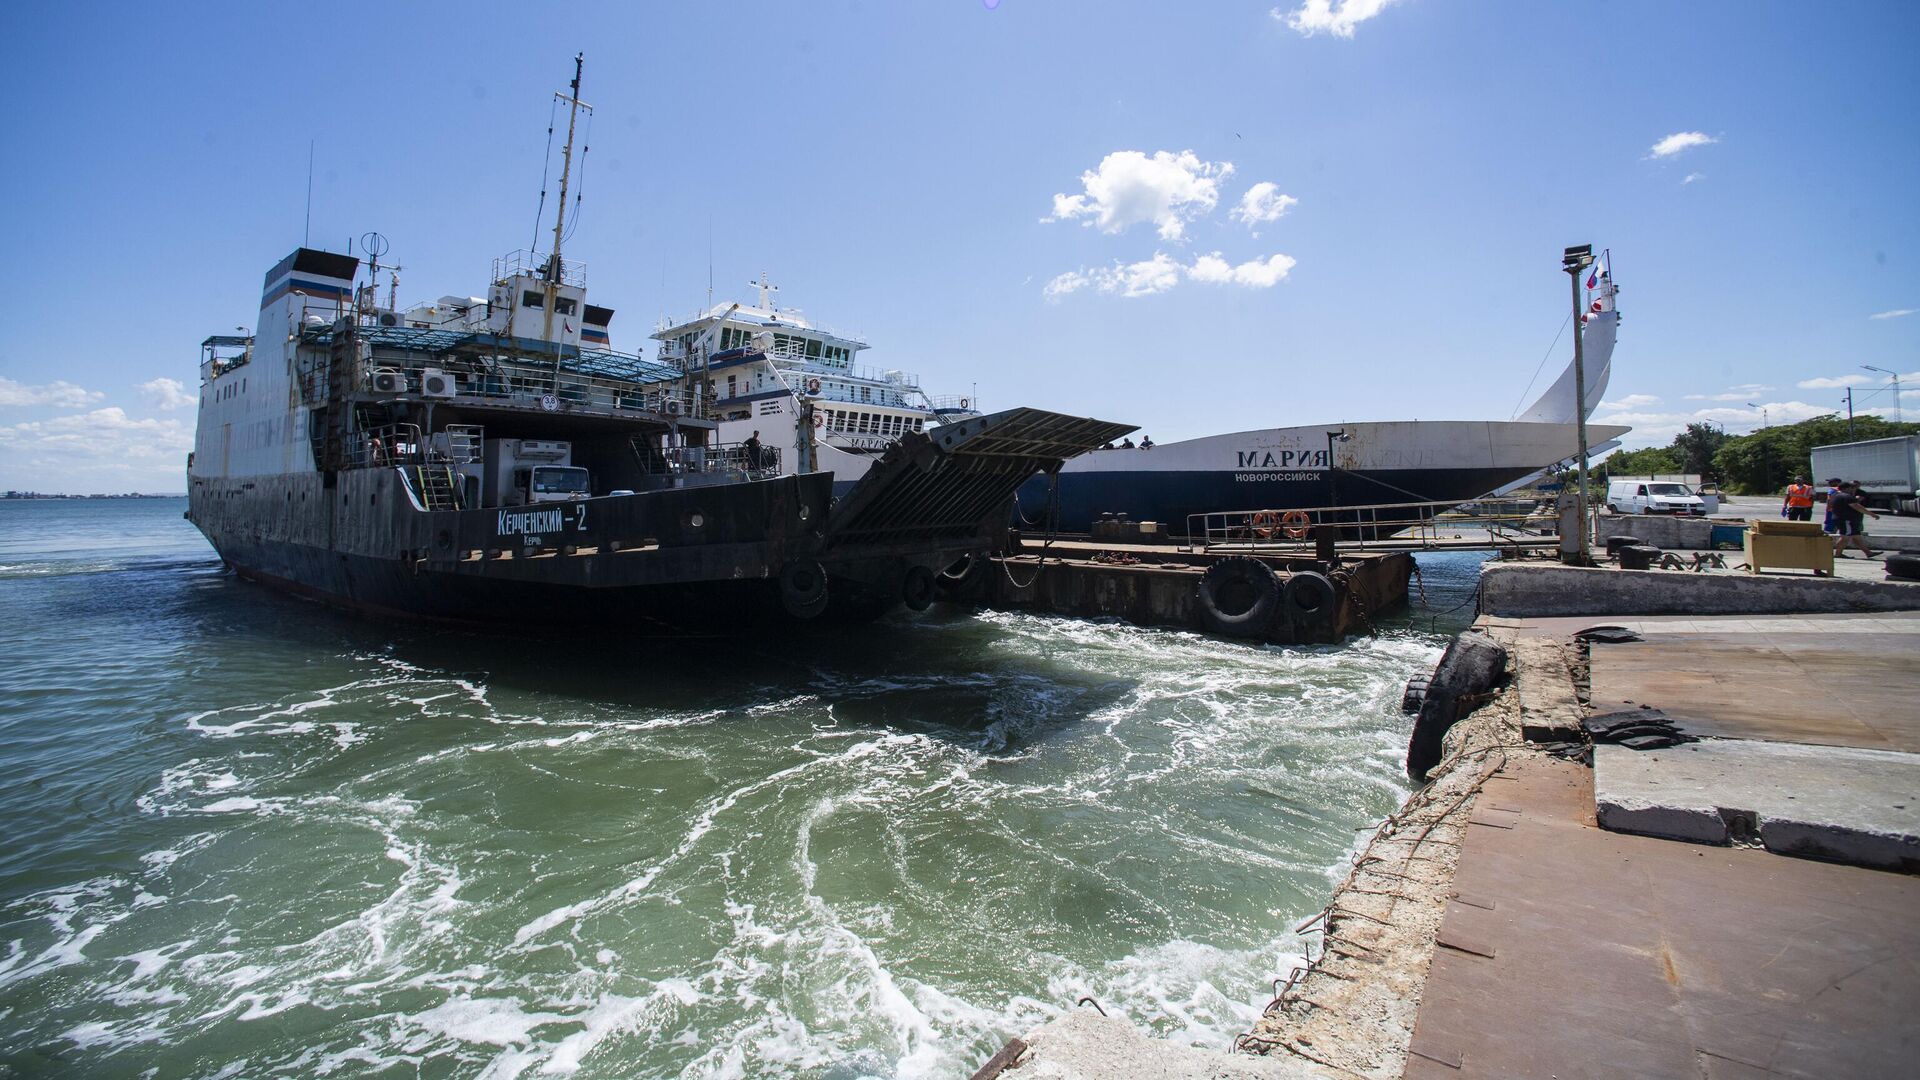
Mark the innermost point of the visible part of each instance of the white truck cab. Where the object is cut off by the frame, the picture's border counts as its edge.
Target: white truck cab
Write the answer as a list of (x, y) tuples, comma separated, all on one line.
[(1653, 497), (551, 483)]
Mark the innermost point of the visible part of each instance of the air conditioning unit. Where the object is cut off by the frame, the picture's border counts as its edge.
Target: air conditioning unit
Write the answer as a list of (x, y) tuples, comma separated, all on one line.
[(389, 318), (671, 407), (437, 383), (389, 381)]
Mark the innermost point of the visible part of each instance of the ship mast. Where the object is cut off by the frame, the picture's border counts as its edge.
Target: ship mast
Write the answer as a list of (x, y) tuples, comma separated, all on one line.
[(554, 267)]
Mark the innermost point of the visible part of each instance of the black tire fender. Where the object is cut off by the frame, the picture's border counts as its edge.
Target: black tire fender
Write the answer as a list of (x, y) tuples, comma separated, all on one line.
[(1238, 597), (1903, 565), (917, 588), (803, 588), (1309, 598)]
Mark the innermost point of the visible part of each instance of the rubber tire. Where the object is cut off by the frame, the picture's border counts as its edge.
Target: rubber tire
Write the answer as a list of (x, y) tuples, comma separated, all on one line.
[(917, 588), (1415, 693), (1238, 597), (803, 588), (1903, 565), (1310, 598)]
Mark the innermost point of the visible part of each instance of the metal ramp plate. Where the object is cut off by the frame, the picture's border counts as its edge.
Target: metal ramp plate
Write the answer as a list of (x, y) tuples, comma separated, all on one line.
[(960, 478)]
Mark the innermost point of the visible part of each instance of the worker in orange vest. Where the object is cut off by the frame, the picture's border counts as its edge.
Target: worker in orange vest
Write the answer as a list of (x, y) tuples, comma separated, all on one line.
[(1798, 505)]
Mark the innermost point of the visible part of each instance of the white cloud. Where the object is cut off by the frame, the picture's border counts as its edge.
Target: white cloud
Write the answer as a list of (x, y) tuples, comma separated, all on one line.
[(1681, 140), (104, 450), (1129, 188), (1692, 176), (1070, 282), (1262, 203), (1163, 272), (1143, 278), (167, 394), (1733, 393), (1336, 17), (1896, 313), (1659, 428), (1631, 401), (1833, 384), (59, 394)]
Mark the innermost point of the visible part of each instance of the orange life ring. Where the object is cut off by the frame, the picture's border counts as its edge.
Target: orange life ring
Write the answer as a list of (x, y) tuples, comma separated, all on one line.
[(1263, 522), (1296, 522), (813, 386)]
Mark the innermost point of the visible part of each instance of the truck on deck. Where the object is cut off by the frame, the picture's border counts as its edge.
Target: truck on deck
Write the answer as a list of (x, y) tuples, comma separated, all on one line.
[(1888, 470)]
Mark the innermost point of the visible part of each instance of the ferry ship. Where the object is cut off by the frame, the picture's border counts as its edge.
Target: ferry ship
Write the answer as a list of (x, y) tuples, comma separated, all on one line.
[(775, 377), (492, 458), (1342, 465)]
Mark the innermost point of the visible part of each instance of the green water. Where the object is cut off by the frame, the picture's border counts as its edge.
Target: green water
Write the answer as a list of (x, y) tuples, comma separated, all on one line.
[(246, 836)]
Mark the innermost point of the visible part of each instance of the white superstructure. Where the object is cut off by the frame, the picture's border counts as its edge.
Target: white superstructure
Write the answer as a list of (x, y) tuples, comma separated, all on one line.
[(769, 370)]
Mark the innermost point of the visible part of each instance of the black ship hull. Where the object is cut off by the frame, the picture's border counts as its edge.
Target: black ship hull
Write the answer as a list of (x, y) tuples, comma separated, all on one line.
[(680, 557)]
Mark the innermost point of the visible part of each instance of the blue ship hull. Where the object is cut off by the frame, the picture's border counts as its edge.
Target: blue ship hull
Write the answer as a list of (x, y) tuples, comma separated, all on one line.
[(1169, 497)]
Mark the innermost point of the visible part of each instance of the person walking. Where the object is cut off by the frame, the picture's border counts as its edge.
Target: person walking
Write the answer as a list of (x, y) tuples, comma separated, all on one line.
[(752, 447), (1798, 505), (1833, 488), (1848, 506)]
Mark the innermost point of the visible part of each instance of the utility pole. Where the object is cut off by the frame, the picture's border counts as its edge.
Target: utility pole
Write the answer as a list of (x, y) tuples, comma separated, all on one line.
[(1574, 260), (1849, 412), (1896, 388)]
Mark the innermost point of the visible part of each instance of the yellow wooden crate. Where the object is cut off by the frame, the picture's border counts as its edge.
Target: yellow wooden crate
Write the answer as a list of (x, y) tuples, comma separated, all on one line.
[(1769, 549)]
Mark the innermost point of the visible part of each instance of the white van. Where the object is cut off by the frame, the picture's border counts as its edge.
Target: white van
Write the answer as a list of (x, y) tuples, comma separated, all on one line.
[(1652, 497)]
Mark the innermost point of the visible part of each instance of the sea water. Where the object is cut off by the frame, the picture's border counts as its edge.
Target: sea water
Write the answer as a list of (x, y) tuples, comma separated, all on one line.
[(245, 835)]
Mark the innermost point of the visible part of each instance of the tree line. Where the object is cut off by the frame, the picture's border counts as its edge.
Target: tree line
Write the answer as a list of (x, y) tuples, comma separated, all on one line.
[(1756, 463)]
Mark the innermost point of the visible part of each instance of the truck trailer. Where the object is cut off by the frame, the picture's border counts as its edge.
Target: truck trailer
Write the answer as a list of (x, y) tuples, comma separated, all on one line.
[(1888, 470)]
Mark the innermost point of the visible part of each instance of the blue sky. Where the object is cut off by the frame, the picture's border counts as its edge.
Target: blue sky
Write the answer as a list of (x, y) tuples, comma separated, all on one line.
[(893, 167)]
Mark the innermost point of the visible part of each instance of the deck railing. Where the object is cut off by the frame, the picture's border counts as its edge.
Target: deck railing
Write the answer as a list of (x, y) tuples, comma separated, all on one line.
[(530, 386), (721, 459), (1396, 525)]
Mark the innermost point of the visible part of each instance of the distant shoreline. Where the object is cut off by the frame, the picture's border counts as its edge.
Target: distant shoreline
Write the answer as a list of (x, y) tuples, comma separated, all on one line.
[(37, 497)]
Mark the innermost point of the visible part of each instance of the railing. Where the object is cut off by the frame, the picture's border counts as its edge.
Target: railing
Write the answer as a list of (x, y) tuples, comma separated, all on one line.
[(530, 386), (954, 403), (535, 263), (386, 446), (721, 459), (1395, 525)]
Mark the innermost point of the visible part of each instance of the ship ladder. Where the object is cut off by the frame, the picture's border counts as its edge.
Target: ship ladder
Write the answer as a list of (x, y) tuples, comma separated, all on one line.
[(438, 489)]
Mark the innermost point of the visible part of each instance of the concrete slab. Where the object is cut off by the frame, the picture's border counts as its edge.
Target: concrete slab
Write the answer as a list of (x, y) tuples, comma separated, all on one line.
[(1538, 589), (1839, 684), (1827, 802), (1586, 953), (1083, 1045)]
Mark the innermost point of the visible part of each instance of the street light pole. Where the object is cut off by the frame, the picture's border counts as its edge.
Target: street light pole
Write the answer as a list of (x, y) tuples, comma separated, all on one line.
[(1574, 260), (1333, 468), (1896, 388)]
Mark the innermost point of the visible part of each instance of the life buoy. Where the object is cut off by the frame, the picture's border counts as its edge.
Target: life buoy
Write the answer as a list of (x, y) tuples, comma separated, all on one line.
[(1295, 522), (813, 386), (819, 420), (1237, 597), (963, 403), (1263, 523)]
